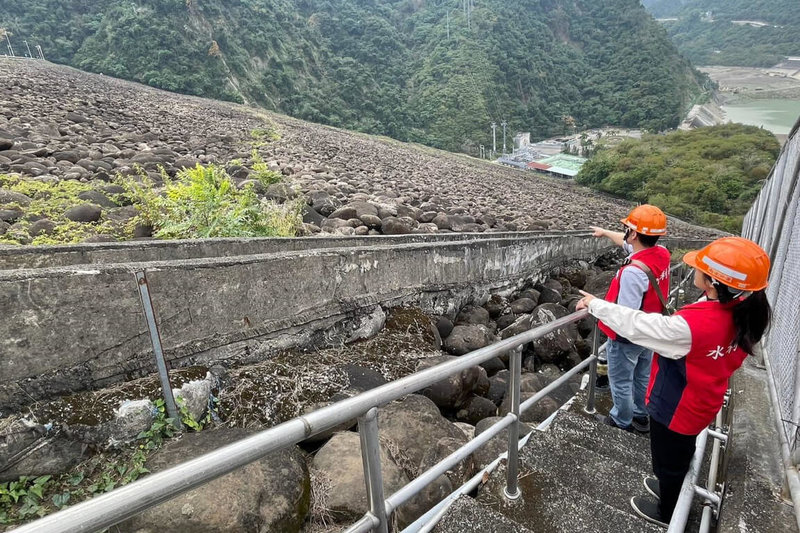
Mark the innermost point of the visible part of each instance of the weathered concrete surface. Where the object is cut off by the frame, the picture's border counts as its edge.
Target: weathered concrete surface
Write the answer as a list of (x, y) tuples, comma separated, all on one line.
[(20, 257), (70, 328), (755, 477), (467, 515)]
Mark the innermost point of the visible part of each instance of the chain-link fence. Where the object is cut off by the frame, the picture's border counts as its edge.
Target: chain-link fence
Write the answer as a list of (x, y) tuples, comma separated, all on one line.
[(774, 223)]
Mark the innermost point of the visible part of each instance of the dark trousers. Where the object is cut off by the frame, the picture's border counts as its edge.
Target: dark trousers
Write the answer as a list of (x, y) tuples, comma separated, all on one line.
[(672, 454)]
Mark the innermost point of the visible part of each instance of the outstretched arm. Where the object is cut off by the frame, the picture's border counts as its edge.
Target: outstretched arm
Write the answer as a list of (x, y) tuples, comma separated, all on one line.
[(669, 336), (615, 236)]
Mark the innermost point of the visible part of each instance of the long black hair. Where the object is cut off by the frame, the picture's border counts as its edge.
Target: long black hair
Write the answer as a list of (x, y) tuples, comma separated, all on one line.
[(751, 316)]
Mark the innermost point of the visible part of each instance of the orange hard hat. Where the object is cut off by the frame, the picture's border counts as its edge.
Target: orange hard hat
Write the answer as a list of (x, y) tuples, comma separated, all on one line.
[(735, 261), (647, 219)]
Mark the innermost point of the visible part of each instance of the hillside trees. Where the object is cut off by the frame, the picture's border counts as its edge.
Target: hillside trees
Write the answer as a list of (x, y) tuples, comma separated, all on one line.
[(709, 176), (715, 40), (385, 67)]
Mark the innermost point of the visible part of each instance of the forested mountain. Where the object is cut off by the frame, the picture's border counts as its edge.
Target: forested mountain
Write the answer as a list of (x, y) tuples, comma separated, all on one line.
[(705, 33), (431, 71)]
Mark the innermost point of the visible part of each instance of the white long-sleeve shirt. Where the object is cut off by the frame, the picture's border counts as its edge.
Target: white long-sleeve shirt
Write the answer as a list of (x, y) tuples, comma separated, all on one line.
[(668, 336)]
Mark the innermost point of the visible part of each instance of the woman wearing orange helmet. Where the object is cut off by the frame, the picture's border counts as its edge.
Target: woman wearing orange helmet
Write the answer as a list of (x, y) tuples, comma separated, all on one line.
[(698, 349)]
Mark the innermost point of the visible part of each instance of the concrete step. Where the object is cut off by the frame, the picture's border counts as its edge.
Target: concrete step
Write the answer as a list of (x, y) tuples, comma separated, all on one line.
[(584, 430), (466, 514), (582, 470), (549, 506)]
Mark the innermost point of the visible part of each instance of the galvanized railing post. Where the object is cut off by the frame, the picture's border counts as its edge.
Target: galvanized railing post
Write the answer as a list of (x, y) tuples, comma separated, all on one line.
[(590, 398), (155, 339), (515, 365), (371, 456)]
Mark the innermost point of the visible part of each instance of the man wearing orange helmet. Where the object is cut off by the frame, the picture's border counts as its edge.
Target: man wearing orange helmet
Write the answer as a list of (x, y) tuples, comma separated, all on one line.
[(698, 349), (641, 283)]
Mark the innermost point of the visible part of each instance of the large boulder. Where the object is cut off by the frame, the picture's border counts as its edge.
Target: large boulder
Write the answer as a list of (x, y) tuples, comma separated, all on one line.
[(536, 414), (531, 294), (549, 295), (268, 495), (460, 473), (339, 466), (395, 226), (42, 227), (475, 409), (344, 213), (466, 338), (577, 277), (362, 379), (496, 305), (444, 326), (474, 315), (280, 192), (451, 392), (552, 346), (96, 197), (505, 320), (84, 213), (323, 203), (522, 305), (414, 424), (12, 197), (11, 215), (520, 325), (363, 209)]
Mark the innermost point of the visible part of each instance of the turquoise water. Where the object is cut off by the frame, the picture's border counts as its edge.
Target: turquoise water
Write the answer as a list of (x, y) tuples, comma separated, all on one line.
[(777, 116)]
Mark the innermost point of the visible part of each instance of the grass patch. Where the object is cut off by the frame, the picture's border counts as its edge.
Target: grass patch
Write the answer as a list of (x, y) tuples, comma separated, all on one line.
[(51, 200)]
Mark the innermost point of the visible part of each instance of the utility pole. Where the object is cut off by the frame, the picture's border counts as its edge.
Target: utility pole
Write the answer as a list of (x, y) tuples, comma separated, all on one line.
[(504, 124), (41, 54), (8, 43), (483, 152), (468, 7), (29, 49), (494, 138), (448, 24)]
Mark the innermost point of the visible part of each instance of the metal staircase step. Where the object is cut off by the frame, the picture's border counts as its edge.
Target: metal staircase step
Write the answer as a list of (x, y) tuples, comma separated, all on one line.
[(466, 514), (548, 506)]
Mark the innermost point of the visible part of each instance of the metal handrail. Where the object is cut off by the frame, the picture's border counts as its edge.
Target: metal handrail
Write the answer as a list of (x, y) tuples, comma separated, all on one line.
[(109, 509), (681, 513)]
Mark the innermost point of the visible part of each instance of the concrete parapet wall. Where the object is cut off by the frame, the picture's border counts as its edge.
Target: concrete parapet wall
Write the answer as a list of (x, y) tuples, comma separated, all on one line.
[(81, 326), (17, 257)]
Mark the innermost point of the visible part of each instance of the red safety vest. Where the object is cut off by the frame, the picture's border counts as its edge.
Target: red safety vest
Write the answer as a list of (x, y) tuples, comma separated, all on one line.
[(657, 258), (685, 394)]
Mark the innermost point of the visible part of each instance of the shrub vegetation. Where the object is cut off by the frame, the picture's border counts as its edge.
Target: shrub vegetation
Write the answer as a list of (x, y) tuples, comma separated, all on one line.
[(709, 176)]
